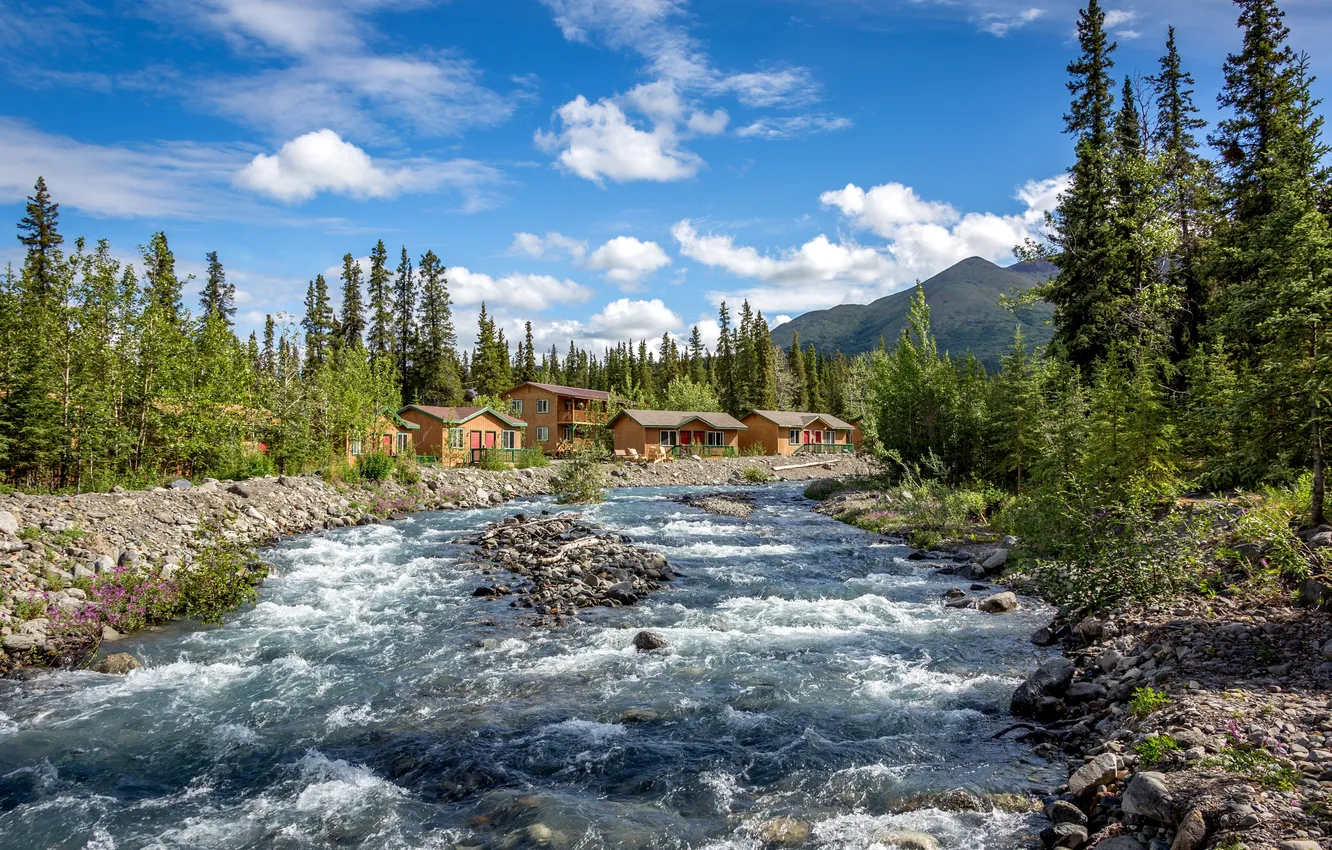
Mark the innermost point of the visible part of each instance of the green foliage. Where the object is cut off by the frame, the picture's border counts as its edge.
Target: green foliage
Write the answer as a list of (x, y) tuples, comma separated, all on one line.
[(69, 536), (224, 577), (823, 488), (531, 459), (685, 394), (27, 609), (1153, 750), (1145, 701), (580, 480), (406, 470), (758, 475), (1255, 764), (376, 466), (30, 532), (493, 461), (1269, 520), (757, 449)]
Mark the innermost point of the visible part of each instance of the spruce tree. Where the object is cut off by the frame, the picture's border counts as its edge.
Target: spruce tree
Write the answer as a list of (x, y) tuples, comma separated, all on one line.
[(1085, 293), (725, 367), (1016, 414), (218, 297), (437, 378), (381, 337), (795, 358), (39, 233), (318, 324), (698, 367), (352, 325), (527, 370), (404, 308)]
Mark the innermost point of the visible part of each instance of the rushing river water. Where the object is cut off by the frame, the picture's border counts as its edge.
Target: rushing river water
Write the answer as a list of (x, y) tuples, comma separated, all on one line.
[(369, 701)]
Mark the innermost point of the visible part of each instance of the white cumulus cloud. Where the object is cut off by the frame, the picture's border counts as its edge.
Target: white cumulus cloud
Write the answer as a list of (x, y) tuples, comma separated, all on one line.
[(546, 247), (627, 261), (1002, 23), (532, 292), (322, 161)]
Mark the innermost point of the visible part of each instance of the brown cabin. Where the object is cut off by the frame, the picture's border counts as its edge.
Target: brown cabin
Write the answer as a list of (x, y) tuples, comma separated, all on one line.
[(388, 432), (457, 436), (559, 417), (857, 433), (659, 433), (786, 433)]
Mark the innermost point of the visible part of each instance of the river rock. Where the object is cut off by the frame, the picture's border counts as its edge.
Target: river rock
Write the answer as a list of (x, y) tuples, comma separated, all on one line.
[(1148, 796), (1062, 811), (110, 635), (240, 488), (8, 523), (1098, 771), (20, 643), (646, 641), (1000, 603), (1191, 833), (1067, 835), (996, 560), (907, 839), (783, 832), (117, 665), (1327, 650), (1119, 842), (1050, 680)]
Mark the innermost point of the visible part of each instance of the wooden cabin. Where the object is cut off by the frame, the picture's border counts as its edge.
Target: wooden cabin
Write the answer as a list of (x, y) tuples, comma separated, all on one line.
[(786, 433), (388, 432), (857, 433), (559, 417), (458, 436), (661, 433)]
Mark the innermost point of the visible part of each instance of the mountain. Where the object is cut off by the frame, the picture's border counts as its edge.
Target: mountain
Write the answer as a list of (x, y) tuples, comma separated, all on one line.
[(964, 312)]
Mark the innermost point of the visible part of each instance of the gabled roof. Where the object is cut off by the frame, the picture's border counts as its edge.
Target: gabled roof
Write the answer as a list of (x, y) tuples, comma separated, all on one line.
[(573, 392), (793, 419), (677, 418), (460, 415), (398, 420)]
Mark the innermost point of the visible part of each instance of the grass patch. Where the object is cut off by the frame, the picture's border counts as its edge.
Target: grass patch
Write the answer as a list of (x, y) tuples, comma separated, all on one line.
[(1256, 765), (1147, 701), (492, 462), (531, 459), (757, 475)]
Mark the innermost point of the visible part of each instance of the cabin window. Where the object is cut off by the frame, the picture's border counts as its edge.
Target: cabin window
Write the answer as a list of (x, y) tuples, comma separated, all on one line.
[(566, 433), (793, 437), (829, 436), (543, 405), (357, 448), (455, 438), (716, 438), (670, 438), (543, 433), (402, 444), (509, 440), (516, 405)]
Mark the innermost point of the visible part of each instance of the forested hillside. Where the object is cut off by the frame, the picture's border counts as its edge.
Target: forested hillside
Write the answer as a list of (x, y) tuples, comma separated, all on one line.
[(965, 305)]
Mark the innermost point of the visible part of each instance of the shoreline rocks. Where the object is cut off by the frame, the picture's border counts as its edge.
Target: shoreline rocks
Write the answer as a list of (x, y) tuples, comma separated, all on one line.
[(739, 505), (562, 565)]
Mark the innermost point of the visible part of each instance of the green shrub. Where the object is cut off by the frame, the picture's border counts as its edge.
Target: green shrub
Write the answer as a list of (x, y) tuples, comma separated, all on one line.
[(1256, 765), (224, 577), (1269, 520), (376, 466), (758, 475), (531, 458), (338, 471), (756, 450), (406, 470), (1154, 749), (580, 480), (823, 488), (492, 461), (27, 609), (31, 532), (248, 465), (69, 535), (1148, 700)]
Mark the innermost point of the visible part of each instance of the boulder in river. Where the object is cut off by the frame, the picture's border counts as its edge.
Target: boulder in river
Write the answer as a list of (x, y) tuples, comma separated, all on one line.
[(647, 641), (117, 665), (1000, 603), (907, 839), (1051, 680), (783, 832)]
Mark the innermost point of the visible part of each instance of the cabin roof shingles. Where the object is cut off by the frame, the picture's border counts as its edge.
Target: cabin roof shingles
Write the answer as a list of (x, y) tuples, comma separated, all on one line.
[(794, 419), (573, 392), (676, 418), (460, 415)]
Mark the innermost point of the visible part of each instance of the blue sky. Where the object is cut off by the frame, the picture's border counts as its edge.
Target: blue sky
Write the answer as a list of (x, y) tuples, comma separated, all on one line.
[(608, 169)]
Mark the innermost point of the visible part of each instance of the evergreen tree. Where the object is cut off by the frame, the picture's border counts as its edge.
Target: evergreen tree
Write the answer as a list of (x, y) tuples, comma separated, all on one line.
[(219, 296), (697, 357), (487, 371), (352, 326), (527, 370), (318, 323), (724, 379), (268, 357), (1085, 293), (39, 233), (795, 358), (1016, 414), (382, 335), (813, 384), (164, 288), (404, 306), (436, 377)]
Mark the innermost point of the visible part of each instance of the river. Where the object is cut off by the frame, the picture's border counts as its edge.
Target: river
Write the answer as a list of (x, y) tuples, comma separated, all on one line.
[(368, 701)]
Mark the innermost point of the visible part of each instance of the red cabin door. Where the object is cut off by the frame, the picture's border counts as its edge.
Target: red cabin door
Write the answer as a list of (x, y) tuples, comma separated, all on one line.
[(490, 439), (476, 439)]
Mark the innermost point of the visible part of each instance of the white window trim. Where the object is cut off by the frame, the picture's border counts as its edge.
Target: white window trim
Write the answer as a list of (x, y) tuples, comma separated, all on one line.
[(543, 405), (456, 438), (516, 405), (508, 439), (566, 433), (543, 434), (357, 447), (402, 443), (830, 437), (793, 436), (715, 439), (669, 437)]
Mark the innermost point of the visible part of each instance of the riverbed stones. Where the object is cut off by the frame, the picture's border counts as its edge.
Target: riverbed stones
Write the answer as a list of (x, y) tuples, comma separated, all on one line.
[(1098, 771), (739, 505), (8, 524), (118, 664), (783, 832), (647, 641), (1000, 603), (1148, 796), (907, 839), (1062, 811), (1191, 832), (1051, 680)]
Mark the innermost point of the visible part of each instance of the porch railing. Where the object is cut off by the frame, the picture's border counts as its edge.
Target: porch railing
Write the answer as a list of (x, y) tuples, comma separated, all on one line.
[(703, 451), (510, 455), (826, 449)]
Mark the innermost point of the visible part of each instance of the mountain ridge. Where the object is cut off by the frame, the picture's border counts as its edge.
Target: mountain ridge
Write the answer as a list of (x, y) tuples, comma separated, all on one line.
[(965, 313)]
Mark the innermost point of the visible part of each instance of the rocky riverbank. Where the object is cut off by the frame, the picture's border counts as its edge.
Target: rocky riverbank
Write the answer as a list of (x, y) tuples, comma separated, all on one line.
[(53, 547), (561, 564)]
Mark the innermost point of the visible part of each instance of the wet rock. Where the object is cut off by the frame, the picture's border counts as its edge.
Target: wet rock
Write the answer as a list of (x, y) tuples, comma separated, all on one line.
[(1000, 603), (1299, 845), (1120, 842), (783, 832), (1327, 650), (647, 641), (539, 833), (907, 839), (1050, 680), (110, 635), (996, 560), (622, 592), (1067, 835), (1062, 811), (1098, 771), (1148, 796), (117, 665), (639, 715)]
